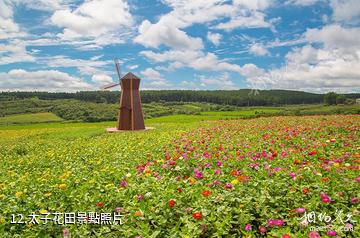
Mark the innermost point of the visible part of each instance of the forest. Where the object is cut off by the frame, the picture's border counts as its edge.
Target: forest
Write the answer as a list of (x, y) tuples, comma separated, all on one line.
[(242, 97)]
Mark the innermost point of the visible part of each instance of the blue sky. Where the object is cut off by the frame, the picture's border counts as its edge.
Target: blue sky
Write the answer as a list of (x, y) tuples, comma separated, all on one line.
[(64, 45)]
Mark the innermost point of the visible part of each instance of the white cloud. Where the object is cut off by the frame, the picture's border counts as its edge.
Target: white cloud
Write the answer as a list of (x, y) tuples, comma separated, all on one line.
[(334, 66), (85, 67), (200, 61), (8, 27), (244, 20), (168, 29), (102, 20), (335, 37), (306, 54), (220, 82), (13, 52), (153, 35), (347, 11), (302, 2), (101, 79), (42, 80), (214, 38), (153, 78), (258, 49), (132, 67), (254, 4), (43, 5)]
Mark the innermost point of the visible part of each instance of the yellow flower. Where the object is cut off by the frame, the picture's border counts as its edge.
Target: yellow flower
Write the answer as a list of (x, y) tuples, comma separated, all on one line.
[(235, 181), (109, 185), (128, 175), (2, 196), (242, 205), (336, 165), (65, 175), (192, 180), (18, 194), (43, 211), (147, 172), (62, 186), (47, 194)]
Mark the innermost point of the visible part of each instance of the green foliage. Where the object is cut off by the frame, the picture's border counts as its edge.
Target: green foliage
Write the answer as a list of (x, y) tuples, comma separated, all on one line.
[(330, 98)]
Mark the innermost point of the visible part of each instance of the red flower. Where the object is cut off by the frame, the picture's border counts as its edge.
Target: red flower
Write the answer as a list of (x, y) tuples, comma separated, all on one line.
[(172, 203), (262, 230), (235, 172), (99, 204), (286, 236), (197, 215), (179, 190), (305, 190), (206, 193), (312, 152)]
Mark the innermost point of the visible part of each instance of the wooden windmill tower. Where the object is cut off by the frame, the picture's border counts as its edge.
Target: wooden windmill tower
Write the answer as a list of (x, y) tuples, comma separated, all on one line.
[(130, 115)]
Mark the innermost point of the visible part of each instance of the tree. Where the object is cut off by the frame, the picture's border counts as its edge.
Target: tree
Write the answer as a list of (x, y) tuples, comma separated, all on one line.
[(340, 99), (330, 98)]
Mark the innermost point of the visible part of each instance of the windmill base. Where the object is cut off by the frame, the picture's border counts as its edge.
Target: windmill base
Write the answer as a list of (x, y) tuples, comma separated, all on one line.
[(115, 130)]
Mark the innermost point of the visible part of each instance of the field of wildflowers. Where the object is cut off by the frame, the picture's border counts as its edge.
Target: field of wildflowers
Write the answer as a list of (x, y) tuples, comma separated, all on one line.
[(264, 177)]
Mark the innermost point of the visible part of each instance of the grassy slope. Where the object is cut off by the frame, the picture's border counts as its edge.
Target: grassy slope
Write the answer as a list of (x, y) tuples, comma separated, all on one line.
[(29, 118)]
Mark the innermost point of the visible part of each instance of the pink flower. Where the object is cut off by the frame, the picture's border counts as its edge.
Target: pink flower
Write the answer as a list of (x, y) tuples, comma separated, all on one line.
[(314, 234), (348, 225), (140, 197), (331, 233), (300, 210), (123, 183), (219, 163), (199, 175), (354, 200), (262, 230), (217, 171), (247, 227), (228, 186), (66, 232), (117, 209), (326, 200), (293, 175), (357, 179), (206, 154), (216, 182), (273, 222)]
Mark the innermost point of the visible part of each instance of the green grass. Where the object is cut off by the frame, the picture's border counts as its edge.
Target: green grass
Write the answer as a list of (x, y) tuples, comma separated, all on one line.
[(29, 118)]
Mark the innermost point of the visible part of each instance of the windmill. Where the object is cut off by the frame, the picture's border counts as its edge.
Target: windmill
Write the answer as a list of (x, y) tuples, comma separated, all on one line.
[(130, 116)]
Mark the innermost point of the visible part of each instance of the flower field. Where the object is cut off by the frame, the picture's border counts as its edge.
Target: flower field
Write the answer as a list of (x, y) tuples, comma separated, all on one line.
[(263, 177)]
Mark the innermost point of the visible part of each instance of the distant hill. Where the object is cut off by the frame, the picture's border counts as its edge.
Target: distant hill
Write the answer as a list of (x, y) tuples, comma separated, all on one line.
[(242, 97)]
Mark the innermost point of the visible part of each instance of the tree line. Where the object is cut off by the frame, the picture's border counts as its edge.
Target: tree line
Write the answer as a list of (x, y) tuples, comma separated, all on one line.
[(243, 97)]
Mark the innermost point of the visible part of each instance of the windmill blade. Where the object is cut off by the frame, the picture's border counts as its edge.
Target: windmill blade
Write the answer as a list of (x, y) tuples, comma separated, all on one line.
[(110, 86), (117, 66)]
